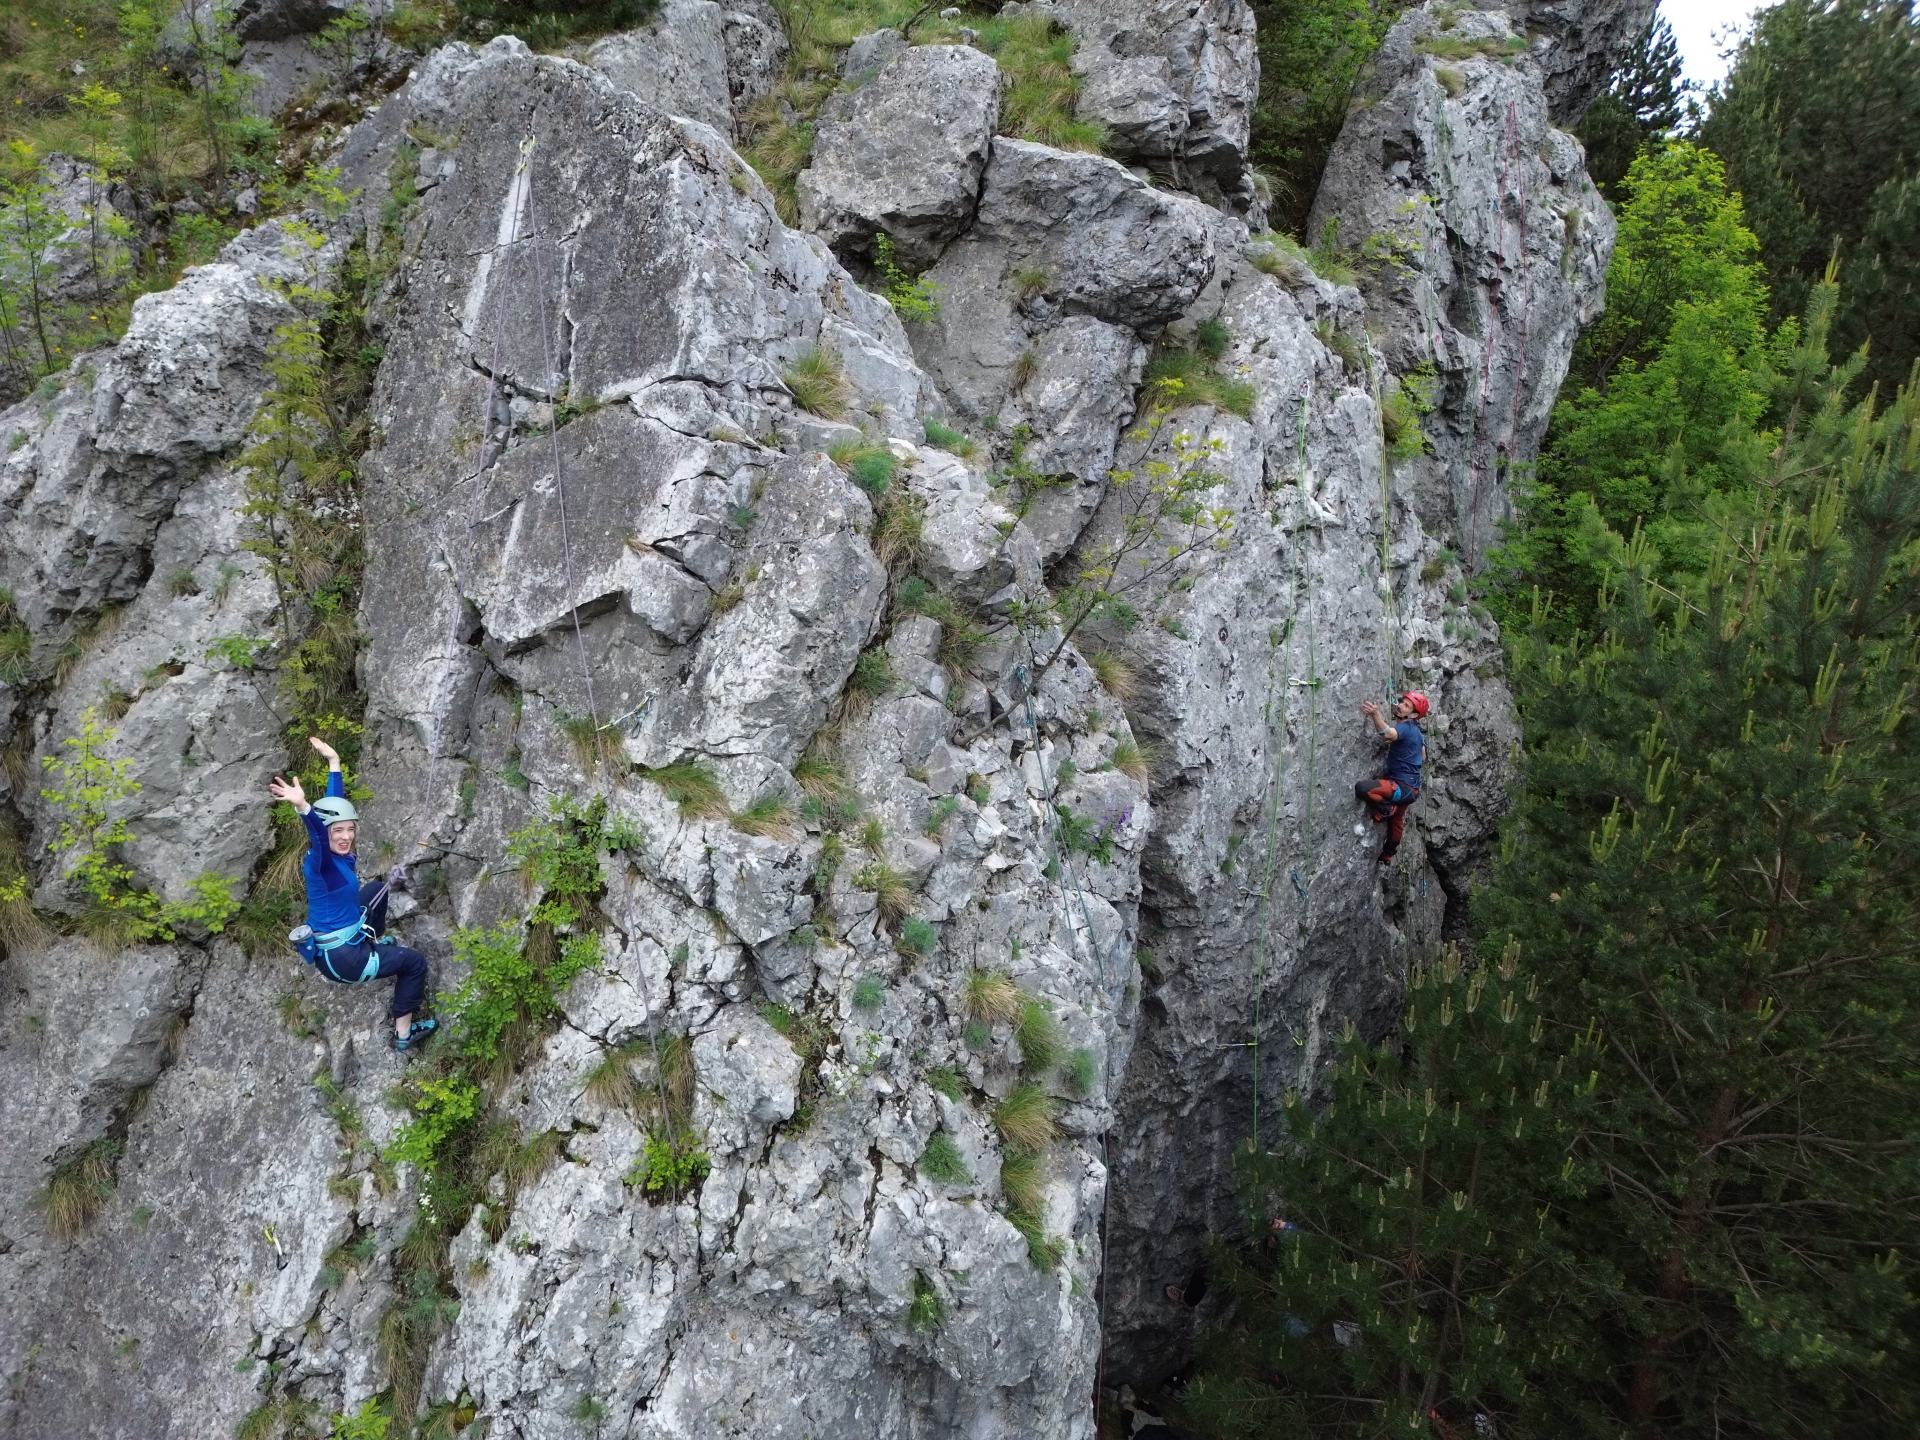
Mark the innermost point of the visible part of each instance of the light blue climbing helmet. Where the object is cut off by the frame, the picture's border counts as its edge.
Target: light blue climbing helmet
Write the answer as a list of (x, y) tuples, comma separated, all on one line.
[(333, 810)]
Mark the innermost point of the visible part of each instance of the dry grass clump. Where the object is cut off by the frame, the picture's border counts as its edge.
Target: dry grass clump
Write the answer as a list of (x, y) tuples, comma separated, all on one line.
[(818, 383), (993, 998)]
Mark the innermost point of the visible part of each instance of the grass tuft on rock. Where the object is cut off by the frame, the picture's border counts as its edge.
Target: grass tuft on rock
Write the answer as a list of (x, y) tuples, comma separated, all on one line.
[(769, 816), (1037, 103), (993, 998), (691, 786), (1025, 1118), (78, 1186), (892, 890), (818, 383), (1041, 1042)]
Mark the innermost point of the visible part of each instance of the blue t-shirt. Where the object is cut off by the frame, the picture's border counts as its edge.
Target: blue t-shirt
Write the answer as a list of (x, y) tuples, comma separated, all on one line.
[(333, 884), (1406, 755)]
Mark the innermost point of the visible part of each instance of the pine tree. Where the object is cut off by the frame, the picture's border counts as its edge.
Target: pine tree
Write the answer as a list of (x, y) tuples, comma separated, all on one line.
[(1820, 112), (1639, 107), (1715, 851), (1419, 1233)]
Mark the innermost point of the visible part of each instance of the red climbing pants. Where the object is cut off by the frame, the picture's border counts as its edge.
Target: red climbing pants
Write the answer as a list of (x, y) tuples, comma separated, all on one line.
[(1387, 801)]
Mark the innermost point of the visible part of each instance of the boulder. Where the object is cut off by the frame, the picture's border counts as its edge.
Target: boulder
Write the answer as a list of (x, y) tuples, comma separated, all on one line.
[(903, 154), (279, 19), (1174, 82), (1097, 239)]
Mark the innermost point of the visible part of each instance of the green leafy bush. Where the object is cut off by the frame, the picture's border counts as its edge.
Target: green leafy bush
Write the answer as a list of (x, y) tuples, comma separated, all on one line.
[(667, 1168), (924, 1313), (917, 937), (912, 296), (868, 992), (442, 1106), (942, 1160)]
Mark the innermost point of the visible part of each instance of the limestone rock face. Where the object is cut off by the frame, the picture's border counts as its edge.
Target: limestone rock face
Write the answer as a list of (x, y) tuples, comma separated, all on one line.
[(903, 153), (1174, 83), (698, 59), (1502, 264), (678, 62), (610, 556)]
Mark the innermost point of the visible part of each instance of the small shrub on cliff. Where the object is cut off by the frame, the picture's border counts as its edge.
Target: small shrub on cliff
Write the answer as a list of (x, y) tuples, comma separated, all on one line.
[(912, 296), (669, 1166), (925, 1312)]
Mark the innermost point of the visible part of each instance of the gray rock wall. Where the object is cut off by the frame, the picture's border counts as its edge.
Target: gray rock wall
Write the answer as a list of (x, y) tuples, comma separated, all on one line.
[(680, 557)]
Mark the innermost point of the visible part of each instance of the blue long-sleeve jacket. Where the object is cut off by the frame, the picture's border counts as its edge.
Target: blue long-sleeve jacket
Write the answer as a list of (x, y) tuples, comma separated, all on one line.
[(333, 884)]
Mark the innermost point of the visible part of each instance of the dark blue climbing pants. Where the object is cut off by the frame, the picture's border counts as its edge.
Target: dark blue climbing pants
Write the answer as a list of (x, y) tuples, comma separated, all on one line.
[(347, 964)]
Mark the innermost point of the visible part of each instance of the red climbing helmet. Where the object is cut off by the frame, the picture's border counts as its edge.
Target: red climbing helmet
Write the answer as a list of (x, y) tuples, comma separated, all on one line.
[(1418, 701)]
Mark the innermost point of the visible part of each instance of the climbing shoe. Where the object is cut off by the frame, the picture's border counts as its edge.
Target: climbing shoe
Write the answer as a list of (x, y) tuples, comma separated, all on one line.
[(416, 1035)]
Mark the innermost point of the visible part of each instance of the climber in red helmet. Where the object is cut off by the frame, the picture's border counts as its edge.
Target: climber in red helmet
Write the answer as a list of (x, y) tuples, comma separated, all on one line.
[(1389, 795)]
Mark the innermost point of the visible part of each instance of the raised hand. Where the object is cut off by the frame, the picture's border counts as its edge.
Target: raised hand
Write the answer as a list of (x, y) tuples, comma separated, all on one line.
[(333, 755), (1370, 709), (289, 791)]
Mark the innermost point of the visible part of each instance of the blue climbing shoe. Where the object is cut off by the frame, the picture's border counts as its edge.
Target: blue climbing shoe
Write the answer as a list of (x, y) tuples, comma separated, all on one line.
[(416, 1035)]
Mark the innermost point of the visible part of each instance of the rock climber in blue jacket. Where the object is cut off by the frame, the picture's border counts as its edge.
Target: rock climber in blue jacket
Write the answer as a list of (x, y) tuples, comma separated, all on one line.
[(347, 920), (1389, 795)]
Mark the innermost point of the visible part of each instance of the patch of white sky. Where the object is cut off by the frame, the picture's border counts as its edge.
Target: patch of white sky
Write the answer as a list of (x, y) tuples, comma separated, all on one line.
[(1707, 32)]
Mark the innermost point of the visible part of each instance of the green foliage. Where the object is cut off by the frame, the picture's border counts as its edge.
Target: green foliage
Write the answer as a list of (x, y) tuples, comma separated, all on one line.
[(1082, 834), (549, 24), (1433, 1203), (1083, 1073), (957, 442), (914, 298), (1178, 376), (560, 855), (992, 996), (925, 1311), (669, 1167), (818, 383), (947, 1081), (1707, 848), (1665, 395), (1639, 108), (240, 651), (1035, 55), (369, 1422), (1311, 54), (868, 992), (88, 787), (442, 1106), (892, 890), (1403, 409), (917, 937), (1816, 123)]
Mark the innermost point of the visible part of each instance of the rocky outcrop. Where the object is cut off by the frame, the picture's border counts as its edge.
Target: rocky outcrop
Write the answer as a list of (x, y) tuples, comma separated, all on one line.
[(1174, 83), (595, 506), (695, 58), (904, 153), (1496, 265)]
